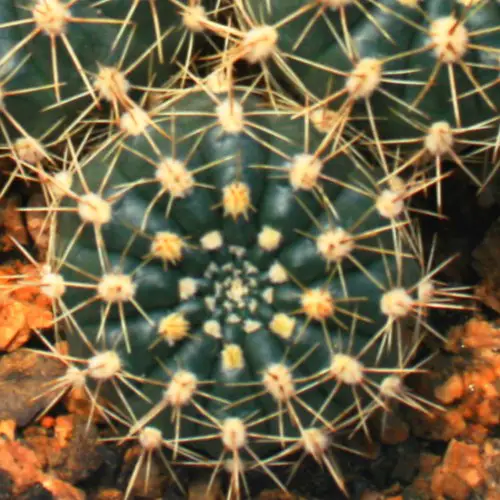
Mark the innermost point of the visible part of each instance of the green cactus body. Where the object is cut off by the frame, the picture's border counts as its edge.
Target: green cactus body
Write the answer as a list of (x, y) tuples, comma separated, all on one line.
[(250, 275), (59, 62), (26, 61), (424, 61), (183, 20)]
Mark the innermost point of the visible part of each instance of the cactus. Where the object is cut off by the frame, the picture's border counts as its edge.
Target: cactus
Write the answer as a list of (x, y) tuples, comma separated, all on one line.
[(56, 53), (235, 263), (233, 285), (433, 59), (68, 63), (184, 19), (401, 71), (48, 53)]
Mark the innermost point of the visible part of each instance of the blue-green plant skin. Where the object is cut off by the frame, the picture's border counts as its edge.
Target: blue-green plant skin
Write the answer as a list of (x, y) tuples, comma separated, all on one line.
[(384, 29), (237, 157), (92, 44), (169, 16)]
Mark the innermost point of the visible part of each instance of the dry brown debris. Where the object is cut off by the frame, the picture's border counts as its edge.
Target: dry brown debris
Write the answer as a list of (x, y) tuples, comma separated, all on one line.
[(491, 460), (59, 455), (466, 384), (20, 463), (465, 468), (38, 225), (477, 335), (23, 466), (69, 452), (278, 495), (487, 257), (200, 490), (61, 489), (393, 429), (474, 390), (109, 494), (11, 225), (151, 480), (8, 428), (78, 402), (461, 472)]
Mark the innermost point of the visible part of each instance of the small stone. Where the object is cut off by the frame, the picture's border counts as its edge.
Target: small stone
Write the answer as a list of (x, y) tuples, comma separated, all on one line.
[(71, 454), (278, 495), (456, 424), (428, 463), (13, 333), (475, 334), (38, 226), (47, 422), (21, 464), (5, 486), (43, 446), (487, 260), (150, 481), (461, 472), (491, 460), (8, 428), (199, 490), (22, 309), (477, 433), (451, 390), (445, 484), (77, 402), (395, 430), (35, 492), (61, 489), (22, 375), (80, 454), (63, 429), (109, 494), (11, 225)]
